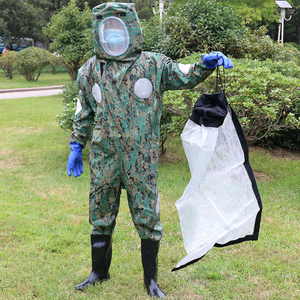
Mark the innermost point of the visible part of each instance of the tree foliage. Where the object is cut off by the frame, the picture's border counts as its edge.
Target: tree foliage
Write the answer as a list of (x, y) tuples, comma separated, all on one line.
[(143, 8), (292, 27), (19, 19), (70, 31), (254, 11)]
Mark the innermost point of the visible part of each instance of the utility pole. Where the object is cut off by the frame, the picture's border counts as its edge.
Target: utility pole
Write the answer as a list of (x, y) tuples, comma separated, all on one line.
[(283, 6), (161, 8)]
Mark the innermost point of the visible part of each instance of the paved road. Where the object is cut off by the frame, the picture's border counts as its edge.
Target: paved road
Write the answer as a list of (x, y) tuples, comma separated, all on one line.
[(30, 92)]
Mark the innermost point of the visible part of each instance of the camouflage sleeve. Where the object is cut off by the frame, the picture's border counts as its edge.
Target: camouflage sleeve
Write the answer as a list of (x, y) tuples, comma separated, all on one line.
[(176, 76), (83, 120), (85, 113)]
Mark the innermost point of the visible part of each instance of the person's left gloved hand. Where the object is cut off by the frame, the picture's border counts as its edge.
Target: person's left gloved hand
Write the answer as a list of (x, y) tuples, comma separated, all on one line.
[(75, 160), (214, 59)]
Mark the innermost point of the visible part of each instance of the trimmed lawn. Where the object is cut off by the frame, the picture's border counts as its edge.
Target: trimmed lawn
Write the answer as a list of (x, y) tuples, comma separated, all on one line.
[(44, 236), (45, 79)]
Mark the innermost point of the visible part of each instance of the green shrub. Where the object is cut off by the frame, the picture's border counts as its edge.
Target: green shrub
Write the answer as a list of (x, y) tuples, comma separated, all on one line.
[(194, 26), (258, 45), (152, 32), (293, 45), (265, 99), (288, 68), (31, 61), (66, 117), (7, 62), (288, 53)]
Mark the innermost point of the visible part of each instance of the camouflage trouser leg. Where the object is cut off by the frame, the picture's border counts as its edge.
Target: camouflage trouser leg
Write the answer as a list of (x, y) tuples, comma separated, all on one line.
[(137, 173), (140, 170), (105, 193)]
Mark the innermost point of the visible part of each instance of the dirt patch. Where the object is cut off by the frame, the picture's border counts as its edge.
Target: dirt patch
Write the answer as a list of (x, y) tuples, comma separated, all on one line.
[(8, 160), (288, 154), (170, 158), (259, 176), (24, 129)]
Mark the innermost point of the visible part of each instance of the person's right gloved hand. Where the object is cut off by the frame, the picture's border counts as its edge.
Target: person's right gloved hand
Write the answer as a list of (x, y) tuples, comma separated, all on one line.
[(75, 160)]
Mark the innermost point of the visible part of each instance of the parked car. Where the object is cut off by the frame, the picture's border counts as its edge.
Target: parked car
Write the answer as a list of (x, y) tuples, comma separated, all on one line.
[(25, 42)]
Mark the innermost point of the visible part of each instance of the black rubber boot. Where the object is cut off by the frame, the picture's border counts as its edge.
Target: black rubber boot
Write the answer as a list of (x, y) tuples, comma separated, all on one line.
[(101, 259), (149, 259)]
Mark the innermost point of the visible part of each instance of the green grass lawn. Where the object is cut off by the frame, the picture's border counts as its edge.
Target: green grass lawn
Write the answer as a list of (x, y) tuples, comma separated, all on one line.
[(44, 236), (45, 79)]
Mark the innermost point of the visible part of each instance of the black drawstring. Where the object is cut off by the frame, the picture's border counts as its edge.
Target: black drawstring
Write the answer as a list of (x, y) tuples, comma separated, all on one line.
[(219, 80)]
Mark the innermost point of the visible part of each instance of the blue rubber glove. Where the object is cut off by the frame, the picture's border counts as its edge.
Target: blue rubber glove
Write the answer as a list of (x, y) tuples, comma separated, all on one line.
[(75, 160), (214, 59)]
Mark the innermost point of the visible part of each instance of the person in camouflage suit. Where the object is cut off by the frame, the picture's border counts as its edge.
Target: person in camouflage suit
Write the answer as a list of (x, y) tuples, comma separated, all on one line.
[(121, 87)]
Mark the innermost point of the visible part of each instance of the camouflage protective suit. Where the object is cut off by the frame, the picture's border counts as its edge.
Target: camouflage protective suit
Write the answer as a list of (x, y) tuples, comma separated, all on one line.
[(123, 94)]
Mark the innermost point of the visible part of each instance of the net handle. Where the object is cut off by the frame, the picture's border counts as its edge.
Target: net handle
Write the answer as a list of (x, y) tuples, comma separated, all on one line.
[(219, 82)]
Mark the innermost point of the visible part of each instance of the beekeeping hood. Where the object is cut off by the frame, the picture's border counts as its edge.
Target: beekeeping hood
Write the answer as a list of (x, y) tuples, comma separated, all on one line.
[(116, 31)]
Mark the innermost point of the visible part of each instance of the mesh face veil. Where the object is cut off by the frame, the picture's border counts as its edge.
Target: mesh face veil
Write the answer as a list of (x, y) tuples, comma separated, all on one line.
[(113, 36)]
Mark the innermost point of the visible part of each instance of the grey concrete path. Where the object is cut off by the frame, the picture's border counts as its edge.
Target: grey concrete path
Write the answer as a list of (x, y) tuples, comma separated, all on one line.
[(30, 92)]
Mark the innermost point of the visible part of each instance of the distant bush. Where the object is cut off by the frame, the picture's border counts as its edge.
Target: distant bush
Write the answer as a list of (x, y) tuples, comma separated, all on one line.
[(55, 62), (7, 62), (31, 61), (293, 45), (258, 45), (264, 96)]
